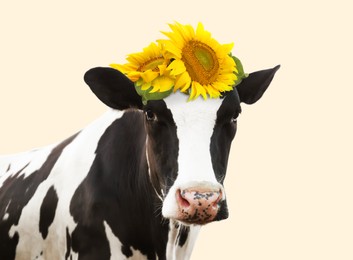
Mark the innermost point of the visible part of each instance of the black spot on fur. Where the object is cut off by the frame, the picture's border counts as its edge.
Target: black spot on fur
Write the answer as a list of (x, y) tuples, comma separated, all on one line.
[(68, 244), (162, 146), (223, 134), (15, 193), (183, 235), (126, 251), (47, 211), (8, 168), (117, 191)]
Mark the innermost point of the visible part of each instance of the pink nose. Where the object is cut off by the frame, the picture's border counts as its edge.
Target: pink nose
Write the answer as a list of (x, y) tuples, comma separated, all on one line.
[(197, 206)]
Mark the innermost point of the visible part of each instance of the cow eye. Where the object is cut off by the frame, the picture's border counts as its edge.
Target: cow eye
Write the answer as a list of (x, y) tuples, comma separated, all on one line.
[(150, 116)]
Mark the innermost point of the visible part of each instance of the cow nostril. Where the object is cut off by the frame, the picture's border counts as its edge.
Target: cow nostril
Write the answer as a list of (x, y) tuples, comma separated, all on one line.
[(182, 201), (218, 200), (215, 203), (215, 199)]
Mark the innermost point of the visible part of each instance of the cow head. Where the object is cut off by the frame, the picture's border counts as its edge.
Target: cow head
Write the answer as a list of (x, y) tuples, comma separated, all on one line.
[(188, 142)]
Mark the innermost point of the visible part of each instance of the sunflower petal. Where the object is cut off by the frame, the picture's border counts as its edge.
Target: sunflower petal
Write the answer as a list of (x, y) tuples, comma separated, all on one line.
[(134, 75), (163, 83), (182, 81), (149, 75), (202, 34), (227, 48), (146, 86), (193, 91), (177, 67), (171, 48)]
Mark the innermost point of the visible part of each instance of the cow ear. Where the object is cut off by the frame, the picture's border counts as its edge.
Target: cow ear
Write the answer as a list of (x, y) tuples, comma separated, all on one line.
[(254, 86), (113, 88)]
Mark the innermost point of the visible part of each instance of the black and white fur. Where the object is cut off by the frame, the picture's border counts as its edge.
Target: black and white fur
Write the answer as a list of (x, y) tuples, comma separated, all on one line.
[(109, 191)]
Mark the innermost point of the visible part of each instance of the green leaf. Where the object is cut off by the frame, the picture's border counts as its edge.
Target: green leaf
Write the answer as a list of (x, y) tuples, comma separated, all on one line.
[(146, 95), (241, 75)]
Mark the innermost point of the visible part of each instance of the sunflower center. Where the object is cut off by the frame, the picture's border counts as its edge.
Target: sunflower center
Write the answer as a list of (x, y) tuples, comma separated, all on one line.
[(201, 62), (151, 64)]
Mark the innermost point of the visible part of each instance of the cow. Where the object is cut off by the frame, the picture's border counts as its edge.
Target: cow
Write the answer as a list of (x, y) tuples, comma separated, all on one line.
[(137, 183)]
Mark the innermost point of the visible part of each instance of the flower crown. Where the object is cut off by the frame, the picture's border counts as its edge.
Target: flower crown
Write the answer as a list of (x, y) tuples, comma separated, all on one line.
[(190, 61)]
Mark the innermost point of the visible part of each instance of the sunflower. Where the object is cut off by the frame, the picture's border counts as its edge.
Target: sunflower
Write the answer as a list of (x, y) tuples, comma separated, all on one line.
[(148, 69), (200, 64)]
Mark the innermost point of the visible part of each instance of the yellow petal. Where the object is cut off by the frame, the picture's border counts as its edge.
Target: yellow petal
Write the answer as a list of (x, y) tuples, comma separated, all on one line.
[(193, 91), (200, 90), (228, 79), (182, 81), (117, 66), (203, 93), (123, 68), (189, 32), (175, 38), (162, 69), (212, 92), (227, 48), (200, 30), (177, 67), (149, 75), (171, 48), (134, 75), (136, 58), (186, 87), (146, 86), (163, 83), (154, 89), (177, 29), (202, 34)]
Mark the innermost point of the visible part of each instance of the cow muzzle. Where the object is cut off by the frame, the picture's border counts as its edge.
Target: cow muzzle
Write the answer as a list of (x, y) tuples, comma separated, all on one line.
[(198, 205)]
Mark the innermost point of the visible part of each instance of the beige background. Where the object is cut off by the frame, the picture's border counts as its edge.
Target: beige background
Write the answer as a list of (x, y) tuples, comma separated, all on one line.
[(289, 183)]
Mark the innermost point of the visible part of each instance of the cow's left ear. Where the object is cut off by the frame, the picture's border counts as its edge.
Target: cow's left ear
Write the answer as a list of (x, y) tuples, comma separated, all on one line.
[(113, 88), (254, 86)]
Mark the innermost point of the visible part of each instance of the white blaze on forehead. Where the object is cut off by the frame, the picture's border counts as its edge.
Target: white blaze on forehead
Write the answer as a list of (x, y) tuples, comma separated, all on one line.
[(195, 121)]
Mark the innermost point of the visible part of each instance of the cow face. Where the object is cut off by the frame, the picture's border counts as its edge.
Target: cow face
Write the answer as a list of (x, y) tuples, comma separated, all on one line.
[(187, 144), (187, 147)]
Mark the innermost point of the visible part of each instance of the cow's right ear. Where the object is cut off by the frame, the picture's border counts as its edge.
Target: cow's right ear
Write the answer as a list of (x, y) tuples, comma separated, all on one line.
[(252, 88), (113, 88)]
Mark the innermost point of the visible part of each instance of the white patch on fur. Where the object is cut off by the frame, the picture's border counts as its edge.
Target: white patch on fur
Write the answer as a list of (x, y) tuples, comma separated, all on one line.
[(136, 255), (114, 243), (149, 172), (195, 121), (28, 161), (174, 251), (6, 215), (194, 232), (69, 171), (115, 247)]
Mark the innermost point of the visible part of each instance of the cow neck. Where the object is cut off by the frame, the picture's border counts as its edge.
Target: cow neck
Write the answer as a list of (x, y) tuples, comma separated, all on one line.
[(122, 190)]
